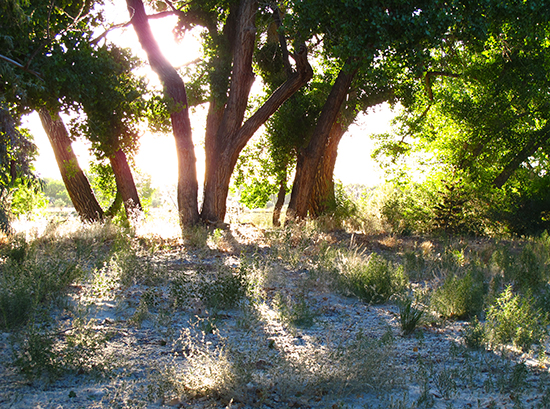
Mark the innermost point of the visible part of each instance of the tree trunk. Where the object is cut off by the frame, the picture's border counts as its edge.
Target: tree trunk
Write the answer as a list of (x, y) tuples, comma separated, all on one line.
[(174, 88), (323, 199), (280, 202), (125, 184), (78, 187), (532, 146), (224, 144), (310, 157)]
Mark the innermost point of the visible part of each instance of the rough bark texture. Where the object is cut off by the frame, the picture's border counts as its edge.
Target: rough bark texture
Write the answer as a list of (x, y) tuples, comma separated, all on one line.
[(174, 89), (224, 144), (310, 157), (323, 198), (78, 187), (125, 184)]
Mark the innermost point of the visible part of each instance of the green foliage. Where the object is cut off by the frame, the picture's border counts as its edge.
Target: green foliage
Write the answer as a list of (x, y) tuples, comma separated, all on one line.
[(56, 193), (25, 200), (296, 311), (373, 280), (514, 318), (409, 314), (473, 114), (102, 181), (460, 297), (406, 209), (474, 334), (29, 282), (19, 186)]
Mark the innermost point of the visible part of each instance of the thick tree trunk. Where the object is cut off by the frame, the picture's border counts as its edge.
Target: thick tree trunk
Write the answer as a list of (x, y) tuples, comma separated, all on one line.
[(323, 199), (225, 144), (125, 184), (310, 157), (174, 88), (78, 187)]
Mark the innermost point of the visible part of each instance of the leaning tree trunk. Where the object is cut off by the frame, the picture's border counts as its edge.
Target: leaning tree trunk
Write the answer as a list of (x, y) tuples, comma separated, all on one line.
[(125, 184), (528, 150), (322, 198), (174, 89), (76, 182), (224, 144), (310, 157)]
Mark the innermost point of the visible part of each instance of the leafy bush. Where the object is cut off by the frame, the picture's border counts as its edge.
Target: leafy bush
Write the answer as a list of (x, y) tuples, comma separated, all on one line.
[(407, 209), (373, 280), (513, 318), (459, 297)]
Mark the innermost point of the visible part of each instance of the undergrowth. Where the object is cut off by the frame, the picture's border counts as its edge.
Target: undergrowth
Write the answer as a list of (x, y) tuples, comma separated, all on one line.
[(50, 285)]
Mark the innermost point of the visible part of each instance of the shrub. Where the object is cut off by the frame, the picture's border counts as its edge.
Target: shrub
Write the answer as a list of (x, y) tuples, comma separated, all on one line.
[(474, 334), (514, 319), (28, 284), (459, 297), (226, 291), (373, 280)]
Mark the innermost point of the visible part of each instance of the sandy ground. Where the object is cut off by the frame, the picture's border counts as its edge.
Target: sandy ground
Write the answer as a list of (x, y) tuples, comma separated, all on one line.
[(334, 352)]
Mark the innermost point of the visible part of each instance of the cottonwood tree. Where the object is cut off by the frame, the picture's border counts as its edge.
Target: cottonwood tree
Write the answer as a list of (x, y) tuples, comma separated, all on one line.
[(230, 34), (482, 113), (360, 38), (52, 64)]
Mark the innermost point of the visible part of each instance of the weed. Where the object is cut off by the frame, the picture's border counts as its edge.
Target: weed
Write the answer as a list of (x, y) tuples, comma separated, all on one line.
[(409, 315), (226, 291), (373, 280), (41, 352), (459, 297), (35, 355), (514, 319), (474, 335), (30, 284), (296, 312), (445, 382)]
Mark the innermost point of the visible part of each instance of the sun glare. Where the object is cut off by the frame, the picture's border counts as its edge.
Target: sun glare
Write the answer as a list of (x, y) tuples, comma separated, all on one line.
[(157, 156)]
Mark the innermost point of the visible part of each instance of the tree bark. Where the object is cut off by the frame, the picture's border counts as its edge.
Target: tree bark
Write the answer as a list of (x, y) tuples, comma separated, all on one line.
[(323, 198), (279, 204), (224, 145), (78, 187), (310, 157), (174, 88), (125, 184)]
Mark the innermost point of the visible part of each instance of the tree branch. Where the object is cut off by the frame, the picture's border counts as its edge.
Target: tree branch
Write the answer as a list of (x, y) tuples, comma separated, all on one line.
[(21, 66)]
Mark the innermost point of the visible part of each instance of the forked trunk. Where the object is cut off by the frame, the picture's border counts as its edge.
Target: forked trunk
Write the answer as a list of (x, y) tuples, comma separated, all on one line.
[(76, 182), (125, 184), (323, 199), (224, 146), (310, 157)]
